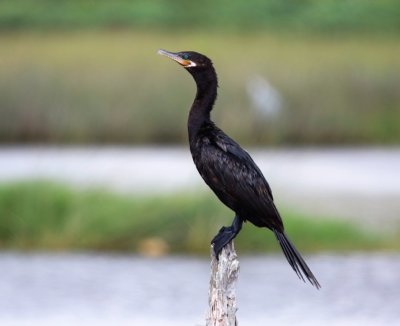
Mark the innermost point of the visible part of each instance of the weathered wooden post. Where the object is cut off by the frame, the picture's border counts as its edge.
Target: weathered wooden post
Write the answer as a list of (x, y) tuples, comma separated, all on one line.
[(222, 292)]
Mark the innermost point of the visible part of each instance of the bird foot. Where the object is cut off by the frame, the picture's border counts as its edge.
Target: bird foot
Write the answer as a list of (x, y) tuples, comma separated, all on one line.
[(224, 236)]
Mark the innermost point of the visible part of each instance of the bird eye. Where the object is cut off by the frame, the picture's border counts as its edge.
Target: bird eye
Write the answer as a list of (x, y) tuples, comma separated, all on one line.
[(185, 56)]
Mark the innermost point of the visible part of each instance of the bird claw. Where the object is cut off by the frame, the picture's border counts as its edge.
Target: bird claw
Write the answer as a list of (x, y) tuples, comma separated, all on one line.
[(221, 231), (224, 236)]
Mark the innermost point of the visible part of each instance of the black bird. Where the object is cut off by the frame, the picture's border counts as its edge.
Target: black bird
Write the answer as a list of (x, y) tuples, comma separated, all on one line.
[(228, 169)]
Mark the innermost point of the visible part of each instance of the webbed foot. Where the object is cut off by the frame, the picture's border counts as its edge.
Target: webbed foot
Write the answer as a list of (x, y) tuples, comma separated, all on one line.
[(226, 235)]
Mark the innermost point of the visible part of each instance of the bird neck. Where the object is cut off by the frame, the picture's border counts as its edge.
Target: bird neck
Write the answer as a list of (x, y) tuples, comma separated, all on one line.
[(207, 84)]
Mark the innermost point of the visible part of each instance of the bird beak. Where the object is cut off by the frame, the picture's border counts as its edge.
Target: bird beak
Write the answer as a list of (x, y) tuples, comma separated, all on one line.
[(175, 57)]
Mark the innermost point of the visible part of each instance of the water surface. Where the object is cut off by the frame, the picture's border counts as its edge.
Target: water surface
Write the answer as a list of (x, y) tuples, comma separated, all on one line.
[(97, 289)]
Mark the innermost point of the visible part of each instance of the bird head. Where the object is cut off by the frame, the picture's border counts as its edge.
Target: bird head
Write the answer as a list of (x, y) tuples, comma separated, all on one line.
[(190, 60)]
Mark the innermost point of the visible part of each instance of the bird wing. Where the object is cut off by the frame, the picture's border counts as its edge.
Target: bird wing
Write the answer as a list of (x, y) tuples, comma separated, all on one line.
[(238, 181), (238, 154)]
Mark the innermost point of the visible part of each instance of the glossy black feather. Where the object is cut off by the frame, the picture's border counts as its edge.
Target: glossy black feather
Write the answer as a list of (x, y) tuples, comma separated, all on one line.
[(234, 177), (295, 260)]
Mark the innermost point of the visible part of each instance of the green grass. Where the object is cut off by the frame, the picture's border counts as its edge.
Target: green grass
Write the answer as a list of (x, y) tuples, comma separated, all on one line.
[(46, 216), (313, 16), (111, 87)]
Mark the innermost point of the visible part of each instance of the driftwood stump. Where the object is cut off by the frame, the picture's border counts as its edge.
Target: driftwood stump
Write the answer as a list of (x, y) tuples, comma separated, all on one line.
[(222, 292)]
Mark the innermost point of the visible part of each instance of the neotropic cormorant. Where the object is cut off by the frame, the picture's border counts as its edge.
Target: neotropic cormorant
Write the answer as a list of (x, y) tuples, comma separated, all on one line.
[(228, 169)]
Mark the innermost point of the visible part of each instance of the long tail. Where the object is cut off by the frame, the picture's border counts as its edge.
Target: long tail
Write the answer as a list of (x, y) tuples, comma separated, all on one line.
[(295, 260)]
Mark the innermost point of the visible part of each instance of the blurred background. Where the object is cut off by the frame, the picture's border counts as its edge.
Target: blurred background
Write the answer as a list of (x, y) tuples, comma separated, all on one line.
[(103, 217)]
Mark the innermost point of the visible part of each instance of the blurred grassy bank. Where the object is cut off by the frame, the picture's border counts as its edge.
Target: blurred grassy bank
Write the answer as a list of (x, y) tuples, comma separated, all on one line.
[(315, 16), (111, 87), (46, 216)]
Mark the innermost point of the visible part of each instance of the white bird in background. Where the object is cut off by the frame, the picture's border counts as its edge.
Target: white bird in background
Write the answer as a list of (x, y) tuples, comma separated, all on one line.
[(264, 97)]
